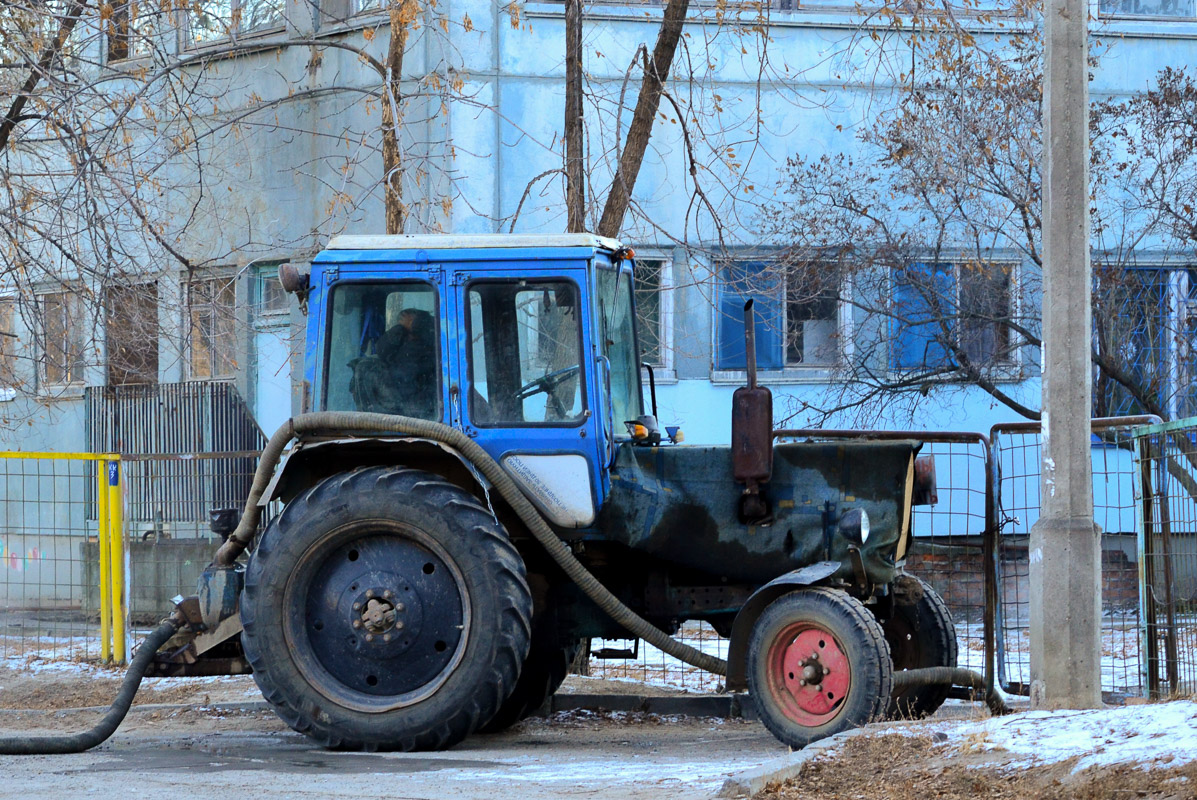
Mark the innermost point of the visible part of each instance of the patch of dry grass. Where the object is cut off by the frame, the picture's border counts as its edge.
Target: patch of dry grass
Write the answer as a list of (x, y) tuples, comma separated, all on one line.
[(896, 767)]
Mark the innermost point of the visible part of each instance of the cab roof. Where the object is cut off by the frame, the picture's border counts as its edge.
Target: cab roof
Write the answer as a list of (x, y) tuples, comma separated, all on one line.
[(472, 241)]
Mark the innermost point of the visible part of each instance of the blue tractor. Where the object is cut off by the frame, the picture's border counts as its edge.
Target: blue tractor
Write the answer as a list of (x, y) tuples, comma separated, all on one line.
[(476, 487)]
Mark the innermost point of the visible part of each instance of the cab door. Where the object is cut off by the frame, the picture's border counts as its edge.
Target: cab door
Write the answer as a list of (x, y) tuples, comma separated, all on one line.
[(524, 382)]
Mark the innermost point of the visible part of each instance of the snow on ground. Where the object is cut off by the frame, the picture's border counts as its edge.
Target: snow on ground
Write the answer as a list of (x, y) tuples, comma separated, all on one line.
[(1146, 735)]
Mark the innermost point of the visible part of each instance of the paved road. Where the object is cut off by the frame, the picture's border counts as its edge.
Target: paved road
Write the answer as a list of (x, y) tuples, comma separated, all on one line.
[(252, 755)]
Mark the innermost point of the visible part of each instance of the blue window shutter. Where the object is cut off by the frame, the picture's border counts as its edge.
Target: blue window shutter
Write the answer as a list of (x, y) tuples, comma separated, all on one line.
[(738, 283), (915, 329)]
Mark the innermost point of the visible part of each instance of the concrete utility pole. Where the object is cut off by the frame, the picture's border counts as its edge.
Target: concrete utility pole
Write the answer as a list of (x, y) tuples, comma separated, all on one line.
[(1065, 544)]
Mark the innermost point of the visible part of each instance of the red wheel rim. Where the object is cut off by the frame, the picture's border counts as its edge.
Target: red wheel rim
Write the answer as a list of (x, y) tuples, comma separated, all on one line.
[(809, 674)]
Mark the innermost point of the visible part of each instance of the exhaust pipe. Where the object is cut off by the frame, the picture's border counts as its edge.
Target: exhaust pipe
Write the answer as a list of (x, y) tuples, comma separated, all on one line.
[(752, 432)]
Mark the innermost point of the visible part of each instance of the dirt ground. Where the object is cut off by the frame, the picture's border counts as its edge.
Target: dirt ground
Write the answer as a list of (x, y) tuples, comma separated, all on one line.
[(86, 686), (210, 754), (900, 767)]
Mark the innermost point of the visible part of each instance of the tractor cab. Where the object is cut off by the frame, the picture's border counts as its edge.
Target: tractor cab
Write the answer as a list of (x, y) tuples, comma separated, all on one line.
[(525, 343)]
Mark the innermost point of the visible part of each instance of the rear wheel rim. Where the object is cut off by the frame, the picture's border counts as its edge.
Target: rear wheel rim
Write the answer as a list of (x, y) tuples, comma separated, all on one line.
[(376, 617), (809, 675)]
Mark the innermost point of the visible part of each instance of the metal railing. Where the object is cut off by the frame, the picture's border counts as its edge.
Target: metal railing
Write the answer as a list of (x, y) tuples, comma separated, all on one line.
[(1118, 503), (1168, 556), (62, 577)]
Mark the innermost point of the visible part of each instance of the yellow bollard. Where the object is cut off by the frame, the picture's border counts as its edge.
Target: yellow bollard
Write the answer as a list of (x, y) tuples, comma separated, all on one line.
[(105, 546), (117, 536)]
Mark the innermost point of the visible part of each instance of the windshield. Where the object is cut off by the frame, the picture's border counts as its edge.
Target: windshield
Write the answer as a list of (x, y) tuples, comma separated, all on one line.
[(617, 337)]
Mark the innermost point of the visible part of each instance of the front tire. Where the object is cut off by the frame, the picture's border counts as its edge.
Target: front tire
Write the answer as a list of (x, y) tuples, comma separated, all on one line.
[(920, 634), (818, 664), (385, 609)]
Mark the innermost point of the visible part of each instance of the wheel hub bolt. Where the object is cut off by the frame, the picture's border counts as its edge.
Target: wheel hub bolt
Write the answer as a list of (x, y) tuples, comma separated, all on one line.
[(357, 623), (826, 670), (369, 637), (357, 606), (369, 593), (388, 594), (386, 637), (818, 688)]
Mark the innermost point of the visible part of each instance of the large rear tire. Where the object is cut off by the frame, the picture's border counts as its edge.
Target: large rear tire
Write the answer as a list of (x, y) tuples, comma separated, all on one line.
[(818, 664), (386, 609), (920, 634)]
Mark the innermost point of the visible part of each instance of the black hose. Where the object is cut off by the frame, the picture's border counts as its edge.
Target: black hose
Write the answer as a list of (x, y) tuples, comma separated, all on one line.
[(85, 740), (953, 676)]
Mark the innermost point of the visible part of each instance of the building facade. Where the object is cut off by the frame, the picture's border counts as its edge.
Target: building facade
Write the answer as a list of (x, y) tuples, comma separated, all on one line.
[(286, 108)]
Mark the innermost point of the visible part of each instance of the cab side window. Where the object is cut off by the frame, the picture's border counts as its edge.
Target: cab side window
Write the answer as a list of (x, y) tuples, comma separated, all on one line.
[(383, 353), (525, 348)]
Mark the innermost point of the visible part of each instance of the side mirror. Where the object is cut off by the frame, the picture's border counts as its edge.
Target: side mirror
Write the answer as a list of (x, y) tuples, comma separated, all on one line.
[(293, 281)]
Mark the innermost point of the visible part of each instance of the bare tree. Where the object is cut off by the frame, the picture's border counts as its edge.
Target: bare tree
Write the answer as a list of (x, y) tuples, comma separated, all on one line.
[(931, 235), (122, 157)]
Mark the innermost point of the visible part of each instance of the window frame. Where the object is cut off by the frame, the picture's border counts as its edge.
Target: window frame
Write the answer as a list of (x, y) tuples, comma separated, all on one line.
[(9, 342), (1003, 370), (1139, 16), (264, 276), (585, 412), (235, 33), (74, 298), (788, 373), (110, 318), (226, 281), (664, 370), (130, 34)]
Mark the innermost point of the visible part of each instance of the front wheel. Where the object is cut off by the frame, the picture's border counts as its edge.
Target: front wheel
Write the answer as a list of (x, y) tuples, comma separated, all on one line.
[(818, 664), (385, 609), (920, 634)]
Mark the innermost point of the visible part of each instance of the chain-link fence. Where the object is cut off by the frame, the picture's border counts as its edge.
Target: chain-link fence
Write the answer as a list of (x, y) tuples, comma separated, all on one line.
[(1168, 556), (168, 504), (61, 576), (1117, 509)]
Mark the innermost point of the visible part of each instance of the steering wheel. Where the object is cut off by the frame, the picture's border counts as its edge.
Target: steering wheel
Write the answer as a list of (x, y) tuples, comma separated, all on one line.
[(547, 383)]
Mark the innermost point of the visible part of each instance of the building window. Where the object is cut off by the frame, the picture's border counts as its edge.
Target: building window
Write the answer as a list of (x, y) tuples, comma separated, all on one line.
[(63, 350), (938, 310), (1145, 323), (269, 297), (212, 305), (799, 311), (213, 20), (8, 347), (654, 309), (1161, 9), (131, 318), (130, 29)]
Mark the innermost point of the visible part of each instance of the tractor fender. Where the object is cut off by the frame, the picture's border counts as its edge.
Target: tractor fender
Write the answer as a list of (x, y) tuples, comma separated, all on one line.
[(737, 653), (310, 462)]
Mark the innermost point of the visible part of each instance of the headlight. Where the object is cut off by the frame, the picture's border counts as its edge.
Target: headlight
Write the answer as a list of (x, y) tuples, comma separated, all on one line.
[(854, 526)]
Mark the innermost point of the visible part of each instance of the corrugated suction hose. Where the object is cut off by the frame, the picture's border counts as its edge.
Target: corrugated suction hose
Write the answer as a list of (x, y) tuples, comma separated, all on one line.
[(85, 740), (952, 676), (358, 422)]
